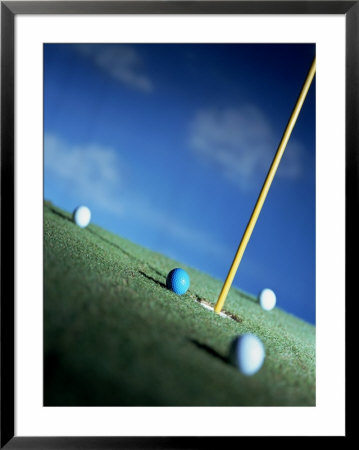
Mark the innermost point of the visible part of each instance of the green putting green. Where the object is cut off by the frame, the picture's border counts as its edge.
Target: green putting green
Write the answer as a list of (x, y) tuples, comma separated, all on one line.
[(115, 336)]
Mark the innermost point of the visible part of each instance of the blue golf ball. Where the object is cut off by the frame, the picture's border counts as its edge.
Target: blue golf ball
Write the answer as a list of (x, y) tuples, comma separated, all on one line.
[(178, 281)]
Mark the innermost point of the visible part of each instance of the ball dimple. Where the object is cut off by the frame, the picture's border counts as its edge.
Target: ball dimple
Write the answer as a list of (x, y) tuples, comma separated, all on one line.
[(267, 299), (82, 216), (247, 353), (178, 281)]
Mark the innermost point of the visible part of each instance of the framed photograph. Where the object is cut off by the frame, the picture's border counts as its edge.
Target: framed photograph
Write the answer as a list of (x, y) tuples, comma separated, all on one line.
[(175, 179)]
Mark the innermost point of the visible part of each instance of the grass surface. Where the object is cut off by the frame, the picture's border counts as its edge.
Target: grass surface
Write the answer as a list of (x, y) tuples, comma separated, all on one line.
[(115, 336)]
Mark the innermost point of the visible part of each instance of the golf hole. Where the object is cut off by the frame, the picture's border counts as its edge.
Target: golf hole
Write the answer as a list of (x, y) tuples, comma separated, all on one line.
[(206, 305)]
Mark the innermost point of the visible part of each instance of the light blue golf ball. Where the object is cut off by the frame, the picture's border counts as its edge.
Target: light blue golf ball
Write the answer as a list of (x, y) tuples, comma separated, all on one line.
[(178, 281), (82, 216), (247, 353)]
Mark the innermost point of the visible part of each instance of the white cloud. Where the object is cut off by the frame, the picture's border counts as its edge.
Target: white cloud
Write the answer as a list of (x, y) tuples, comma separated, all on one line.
[(241, 143), (91, 171), (122, 62), (94, 175), (191, 238)]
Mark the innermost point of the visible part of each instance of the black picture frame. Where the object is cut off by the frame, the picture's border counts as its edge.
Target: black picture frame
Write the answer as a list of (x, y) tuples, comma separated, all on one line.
[(9, 9)]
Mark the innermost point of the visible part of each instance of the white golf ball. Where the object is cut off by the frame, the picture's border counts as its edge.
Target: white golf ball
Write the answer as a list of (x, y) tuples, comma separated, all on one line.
[(267, 299), (82, 216), (247, 353)]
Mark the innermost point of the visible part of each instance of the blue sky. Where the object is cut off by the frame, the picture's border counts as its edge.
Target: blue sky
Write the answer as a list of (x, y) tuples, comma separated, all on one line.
[(169, 144)]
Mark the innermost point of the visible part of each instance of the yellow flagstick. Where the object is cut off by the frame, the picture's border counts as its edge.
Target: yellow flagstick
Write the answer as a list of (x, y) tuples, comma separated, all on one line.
[(263, 194)]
